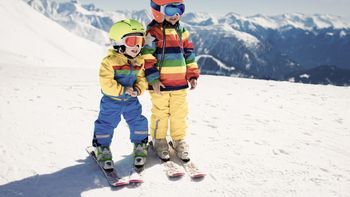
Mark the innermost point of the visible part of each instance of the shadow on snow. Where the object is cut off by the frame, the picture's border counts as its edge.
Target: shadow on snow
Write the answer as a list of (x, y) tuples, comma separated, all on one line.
[(70, 181), (73, 180)]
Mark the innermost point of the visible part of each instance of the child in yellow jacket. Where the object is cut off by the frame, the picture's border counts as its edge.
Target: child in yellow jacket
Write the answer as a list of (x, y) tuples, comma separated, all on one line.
[(169, 67), (122, 79)]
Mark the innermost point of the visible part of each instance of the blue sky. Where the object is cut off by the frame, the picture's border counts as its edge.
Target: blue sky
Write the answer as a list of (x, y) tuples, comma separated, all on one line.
[(244, 7)]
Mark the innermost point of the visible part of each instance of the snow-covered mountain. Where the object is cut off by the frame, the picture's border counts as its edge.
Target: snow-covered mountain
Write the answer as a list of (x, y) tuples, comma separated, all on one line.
[(257, 46), (249, 56), (325, 74), (31, 38), (285, 21), (287, 43), (256, 137), (84, 20)]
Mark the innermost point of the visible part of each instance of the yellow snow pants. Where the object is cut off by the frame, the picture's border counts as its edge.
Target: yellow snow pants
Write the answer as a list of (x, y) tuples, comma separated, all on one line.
[(171, 107)]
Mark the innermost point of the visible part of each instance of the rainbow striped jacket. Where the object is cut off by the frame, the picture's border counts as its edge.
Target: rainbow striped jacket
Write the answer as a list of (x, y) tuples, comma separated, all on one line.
[(169, 56), (117, 73)]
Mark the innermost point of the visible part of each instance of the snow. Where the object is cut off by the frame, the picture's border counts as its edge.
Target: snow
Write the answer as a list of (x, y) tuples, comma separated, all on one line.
[(219, 63), (200, 18), (327, 21), (29, 35), (263, 21), (252, 137), (84, 11), (306, 76), (247, 39), (309, 22), (342, 34), (226, 31), (84, 22), (258, 138), (285, 21)]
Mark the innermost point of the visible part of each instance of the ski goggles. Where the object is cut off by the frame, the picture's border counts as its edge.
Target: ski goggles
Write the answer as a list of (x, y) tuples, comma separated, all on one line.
[(170, 9), (132, 41)]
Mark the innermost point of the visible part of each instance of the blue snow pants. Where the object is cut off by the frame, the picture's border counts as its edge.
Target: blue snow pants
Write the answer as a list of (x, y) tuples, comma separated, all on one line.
[(110, 115)]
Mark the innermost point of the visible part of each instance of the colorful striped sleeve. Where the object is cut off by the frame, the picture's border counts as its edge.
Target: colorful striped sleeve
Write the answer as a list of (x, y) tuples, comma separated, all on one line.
[(191, 64), (108, 84), (141, 82), (148, 51)]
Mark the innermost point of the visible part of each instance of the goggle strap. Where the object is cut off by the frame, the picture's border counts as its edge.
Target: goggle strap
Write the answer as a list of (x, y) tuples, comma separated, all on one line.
[(155, 6), (114, 43)]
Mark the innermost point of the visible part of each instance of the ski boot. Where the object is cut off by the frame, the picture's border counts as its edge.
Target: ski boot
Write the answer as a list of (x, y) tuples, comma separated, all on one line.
[(181, 148), (161, 147), (140, 155), (104, 156)]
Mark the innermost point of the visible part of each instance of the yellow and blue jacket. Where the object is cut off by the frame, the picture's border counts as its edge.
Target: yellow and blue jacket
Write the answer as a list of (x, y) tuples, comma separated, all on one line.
[(117, 73)]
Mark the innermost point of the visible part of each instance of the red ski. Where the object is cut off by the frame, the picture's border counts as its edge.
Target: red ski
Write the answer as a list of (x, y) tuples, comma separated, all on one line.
[(111, 175)]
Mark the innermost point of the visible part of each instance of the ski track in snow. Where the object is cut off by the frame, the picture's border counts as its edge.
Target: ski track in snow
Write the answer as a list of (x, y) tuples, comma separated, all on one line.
[(253, 137)]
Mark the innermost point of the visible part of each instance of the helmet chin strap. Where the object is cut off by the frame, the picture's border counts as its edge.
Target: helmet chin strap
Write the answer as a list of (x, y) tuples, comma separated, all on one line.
[(128, 56)]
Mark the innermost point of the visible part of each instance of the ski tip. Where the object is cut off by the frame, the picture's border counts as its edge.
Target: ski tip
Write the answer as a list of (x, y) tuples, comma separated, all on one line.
[(135, 181), (175, 175), (120, 183), (199, 175)]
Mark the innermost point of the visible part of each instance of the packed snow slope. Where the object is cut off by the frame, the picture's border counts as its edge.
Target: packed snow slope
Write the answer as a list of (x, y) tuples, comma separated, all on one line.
[(252, 137), (29, 37)]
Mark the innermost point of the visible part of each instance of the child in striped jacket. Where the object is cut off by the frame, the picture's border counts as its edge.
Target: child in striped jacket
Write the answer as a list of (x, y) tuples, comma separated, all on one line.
[(170, 67)]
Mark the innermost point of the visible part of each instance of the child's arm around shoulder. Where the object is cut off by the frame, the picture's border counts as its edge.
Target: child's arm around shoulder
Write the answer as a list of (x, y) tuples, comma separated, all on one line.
[(148, 54)]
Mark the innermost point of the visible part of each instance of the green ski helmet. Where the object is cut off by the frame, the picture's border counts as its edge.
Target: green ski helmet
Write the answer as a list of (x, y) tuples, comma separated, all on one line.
[(124, 27)]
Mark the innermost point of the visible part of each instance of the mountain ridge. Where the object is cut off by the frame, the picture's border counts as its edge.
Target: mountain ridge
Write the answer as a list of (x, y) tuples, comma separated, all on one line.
[(257, 46)]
